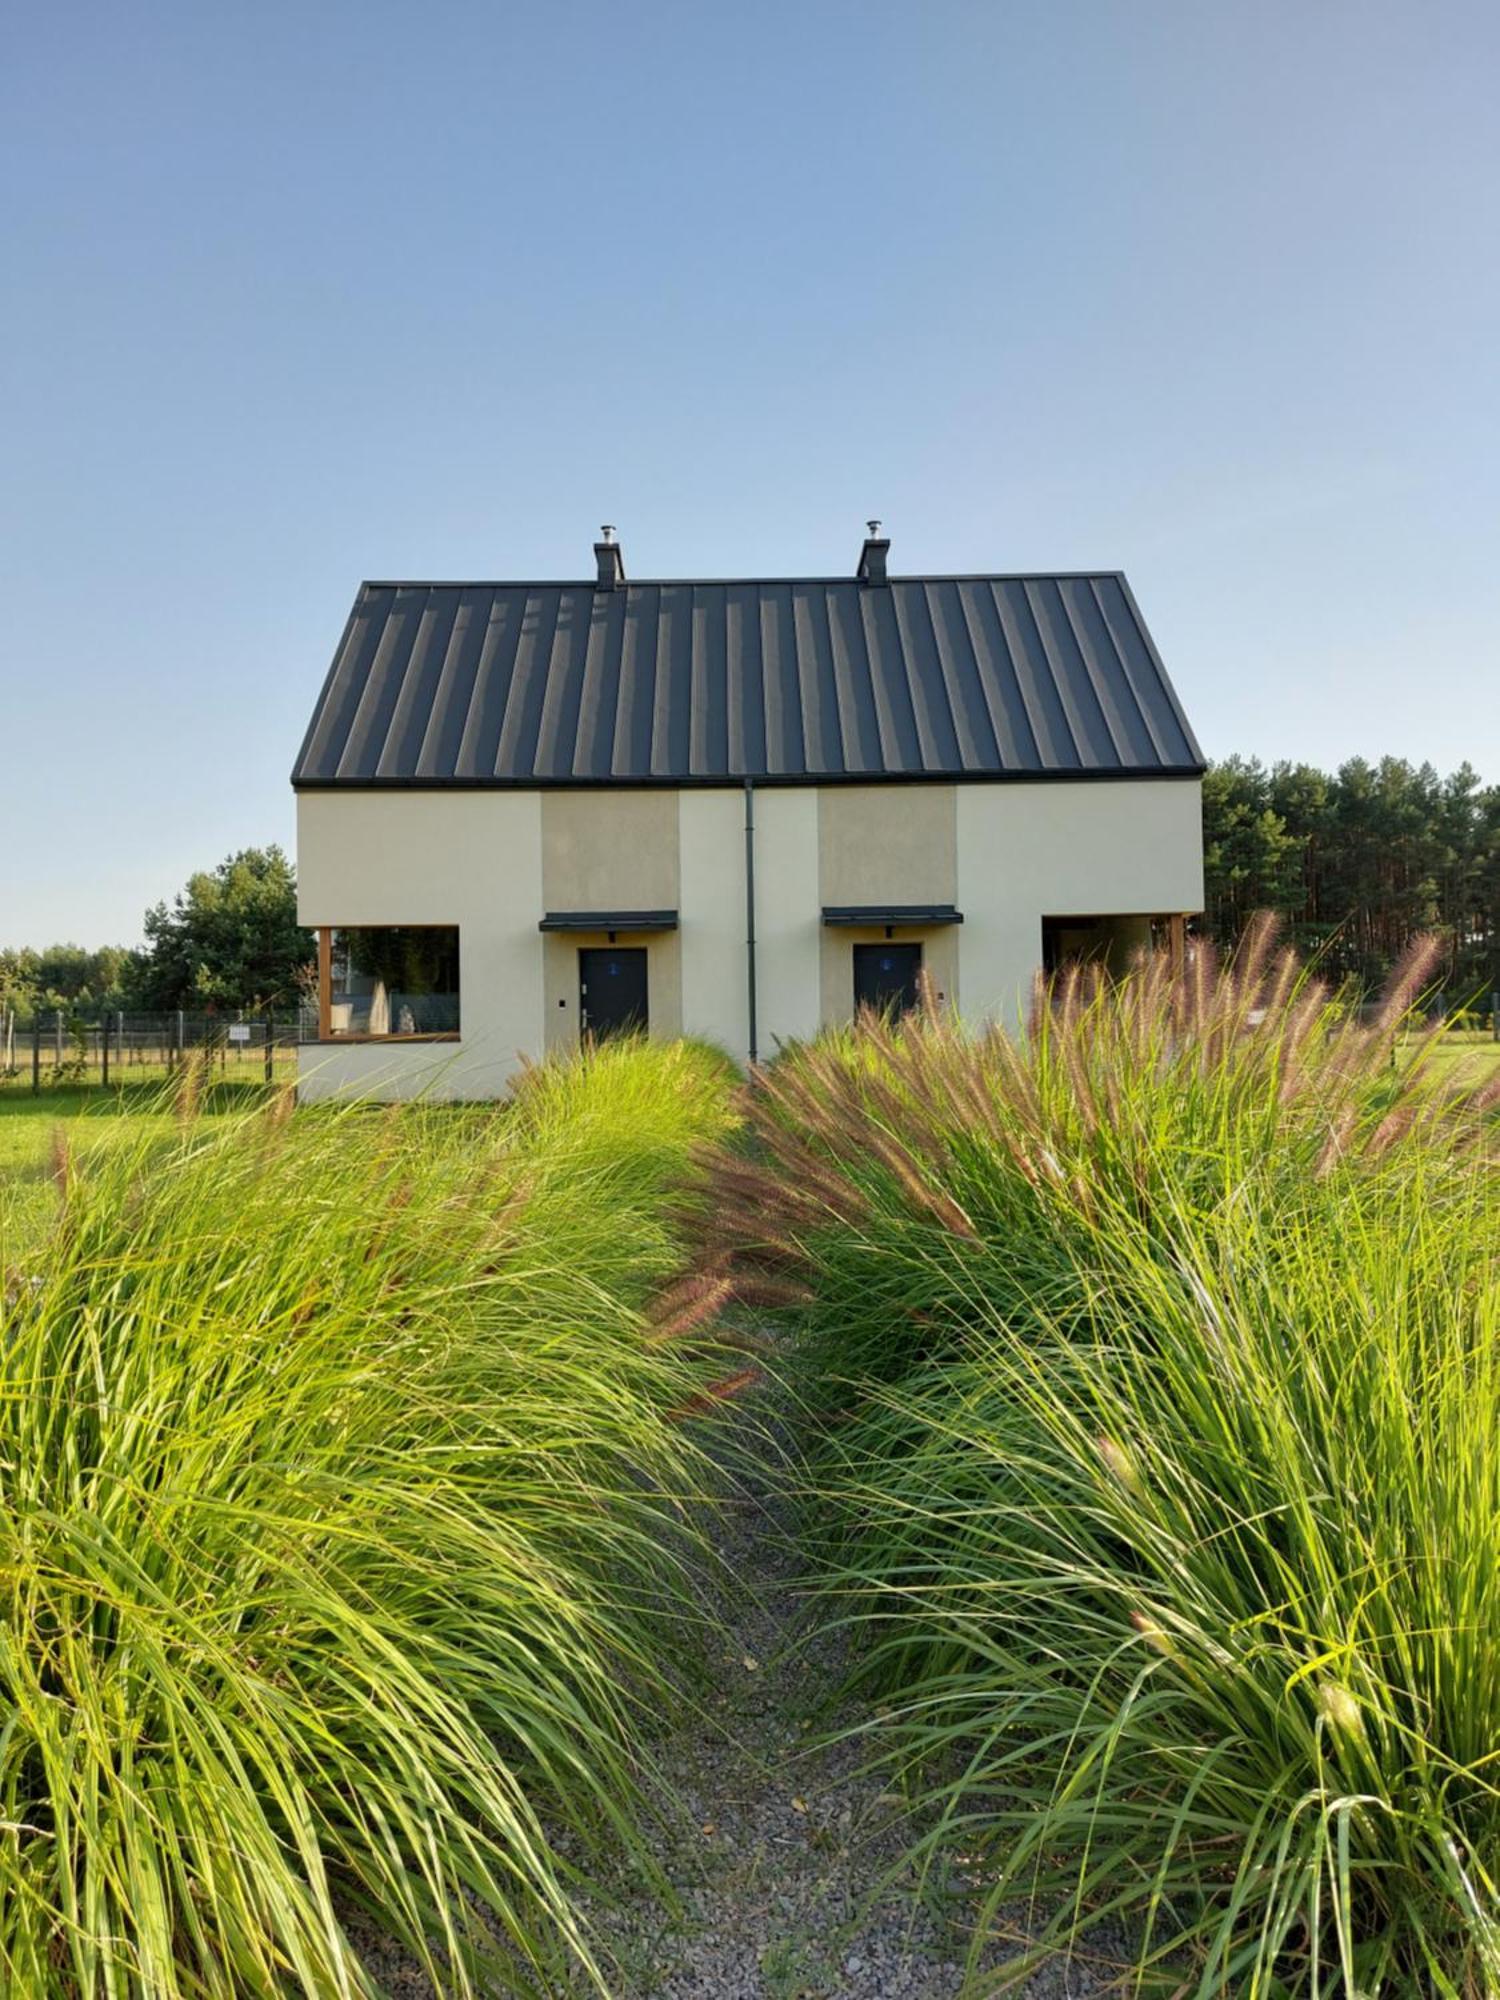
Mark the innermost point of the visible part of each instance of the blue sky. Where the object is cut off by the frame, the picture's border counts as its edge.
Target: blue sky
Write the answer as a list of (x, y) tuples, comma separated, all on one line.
[(297, 294)]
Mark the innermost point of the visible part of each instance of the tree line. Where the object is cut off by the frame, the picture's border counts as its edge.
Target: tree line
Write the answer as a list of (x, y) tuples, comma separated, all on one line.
[(229, 940), (1354, 862), (1357, 860)]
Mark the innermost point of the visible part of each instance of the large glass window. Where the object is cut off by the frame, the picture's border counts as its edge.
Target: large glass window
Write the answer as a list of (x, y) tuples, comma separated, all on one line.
[(389, 980)]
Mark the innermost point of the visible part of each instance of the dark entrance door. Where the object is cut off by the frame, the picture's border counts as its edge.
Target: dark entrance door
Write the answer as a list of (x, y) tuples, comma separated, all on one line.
[(885, 977), (612, 991)]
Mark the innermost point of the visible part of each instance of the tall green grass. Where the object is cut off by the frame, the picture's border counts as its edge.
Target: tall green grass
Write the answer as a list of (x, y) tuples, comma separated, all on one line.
[(342, 1461), (1157, 1466)]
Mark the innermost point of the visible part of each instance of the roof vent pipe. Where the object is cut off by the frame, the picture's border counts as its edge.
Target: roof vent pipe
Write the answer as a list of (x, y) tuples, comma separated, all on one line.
[(872, 556), (610, 558)]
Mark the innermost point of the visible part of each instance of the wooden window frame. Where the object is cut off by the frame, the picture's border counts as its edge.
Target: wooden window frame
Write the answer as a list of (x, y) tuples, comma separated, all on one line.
[(325, 989)]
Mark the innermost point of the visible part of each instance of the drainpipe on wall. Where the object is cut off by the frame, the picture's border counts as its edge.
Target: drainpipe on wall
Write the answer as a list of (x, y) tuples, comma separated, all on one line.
[(750, 907)]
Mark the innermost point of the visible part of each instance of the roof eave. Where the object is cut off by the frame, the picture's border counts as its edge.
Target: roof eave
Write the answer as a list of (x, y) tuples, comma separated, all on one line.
[(734, 780)]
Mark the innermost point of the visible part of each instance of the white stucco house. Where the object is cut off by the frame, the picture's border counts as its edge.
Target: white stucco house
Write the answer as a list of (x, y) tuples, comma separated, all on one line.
[(532, 811)]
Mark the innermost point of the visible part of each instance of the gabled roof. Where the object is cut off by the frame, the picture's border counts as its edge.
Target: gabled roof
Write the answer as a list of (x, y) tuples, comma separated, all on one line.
[(788, 680)]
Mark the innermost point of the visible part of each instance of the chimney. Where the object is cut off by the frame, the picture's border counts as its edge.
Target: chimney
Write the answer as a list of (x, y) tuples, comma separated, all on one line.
[(872, 555), (610, 558)]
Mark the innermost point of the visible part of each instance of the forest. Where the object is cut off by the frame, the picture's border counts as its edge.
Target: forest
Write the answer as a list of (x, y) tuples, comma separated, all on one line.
[(1356, 861)]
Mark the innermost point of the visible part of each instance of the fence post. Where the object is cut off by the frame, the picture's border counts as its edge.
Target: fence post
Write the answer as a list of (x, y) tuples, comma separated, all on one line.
[(104, 1051), (36, 1052), (270, 1046), (178, 1051), (57, 1033)]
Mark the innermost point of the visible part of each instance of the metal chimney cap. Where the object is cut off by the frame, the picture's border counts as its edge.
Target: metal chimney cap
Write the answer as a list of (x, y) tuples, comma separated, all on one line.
[(608, 531), (874, 528)]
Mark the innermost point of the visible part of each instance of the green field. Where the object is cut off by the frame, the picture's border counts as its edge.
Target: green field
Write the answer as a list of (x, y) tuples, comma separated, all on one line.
[(84, 1115)]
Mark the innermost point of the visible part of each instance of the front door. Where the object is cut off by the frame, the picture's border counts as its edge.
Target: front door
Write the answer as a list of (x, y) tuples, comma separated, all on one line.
[(885, 977), (612, 991)]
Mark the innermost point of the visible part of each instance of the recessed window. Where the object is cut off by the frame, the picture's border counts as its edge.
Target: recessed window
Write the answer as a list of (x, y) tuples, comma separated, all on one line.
[(390, 980)]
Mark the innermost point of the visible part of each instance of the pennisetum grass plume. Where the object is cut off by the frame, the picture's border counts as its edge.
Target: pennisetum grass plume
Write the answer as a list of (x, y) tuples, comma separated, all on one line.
[(1166, 1501), (340, 1535)]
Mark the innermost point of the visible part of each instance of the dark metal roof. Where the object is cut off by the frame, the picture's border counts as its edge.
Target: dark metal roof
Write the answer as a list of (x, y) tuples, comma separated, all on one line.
[(923, 915), (609, 920), (785, 680)]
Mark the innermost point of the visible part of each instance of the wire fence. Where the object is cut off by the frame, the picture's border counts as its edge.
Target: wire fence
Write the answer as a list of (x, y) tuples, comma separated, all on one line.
[(53, 1049)]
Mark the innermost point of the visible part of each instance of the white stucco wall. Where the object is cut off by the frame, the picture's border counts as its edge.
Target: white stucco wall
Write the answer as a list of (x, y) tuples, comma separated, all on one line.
[(715, 991), (1031, 851), (468, 858), (788, 915), (492, 862)]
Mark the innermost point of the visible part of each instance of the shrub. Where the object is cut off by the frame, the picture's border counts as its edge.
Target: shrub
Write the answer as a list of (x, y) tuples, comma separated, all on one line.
[(1165, 1486), (341, 1478)]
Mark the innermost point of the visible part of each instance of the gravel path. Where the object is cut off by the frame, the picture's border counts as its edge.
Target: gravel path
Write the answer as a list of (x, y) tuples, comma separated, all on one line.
[(777, 1845), (786, 1842)]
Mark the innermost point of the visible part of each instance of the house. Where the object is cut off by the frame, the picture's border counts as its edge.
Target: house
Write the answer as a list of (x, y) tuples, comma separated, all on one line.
[(527, 812)]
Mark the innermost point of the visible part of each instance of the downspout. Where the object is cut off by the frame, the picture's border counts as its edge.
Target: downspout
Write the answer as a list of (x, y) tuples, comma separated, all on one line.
[(750, 909)]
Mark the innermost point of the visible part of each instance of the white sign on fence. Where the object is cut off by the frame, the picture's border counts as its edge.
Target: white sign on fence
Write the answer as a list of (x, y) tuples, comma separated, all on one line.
[(239, 1031)]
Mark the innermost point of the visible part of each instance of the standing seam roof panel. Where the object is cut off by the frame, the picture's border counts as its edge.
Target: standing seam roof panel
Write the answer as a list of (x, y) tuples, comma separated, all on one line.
[(1086, 718), (820, 703), (1010, 725), (745, 695), (858, 719), (600, 693), (1033, 708), (377, 698), (671, 720), (633, 703), (1111, 685), (484, 719), (1056, 741), (977, 743), (890, 683), (521, 730), (562, 700), (936, 737), (786, 749), (709, 742), (1153, 691), (443, 735), (416, 698), (1105, 696), (329, 727)]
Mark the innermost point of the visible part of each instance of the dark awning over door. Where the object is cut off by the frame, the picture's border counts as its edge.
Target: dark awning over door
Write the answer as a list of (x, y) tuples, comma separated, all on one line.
[(609, 920), (916, 914)]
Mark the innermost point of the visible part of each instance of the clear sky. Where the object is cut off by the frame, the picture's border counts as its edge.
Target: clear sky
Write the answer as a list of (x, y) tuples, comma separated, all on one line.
[(297, 294)]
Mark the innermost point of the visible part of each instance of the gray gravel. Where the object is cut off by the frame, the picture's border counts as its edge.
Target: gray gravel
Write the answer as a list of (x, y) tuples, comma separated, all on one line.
[(788, 1856), (779, 1847)]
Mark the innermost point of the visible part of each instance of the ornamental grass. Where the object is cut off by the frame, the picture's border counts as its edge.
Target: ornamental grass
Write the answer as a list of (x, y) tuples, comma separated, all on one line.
[(342, 1526), (1154, 1458)]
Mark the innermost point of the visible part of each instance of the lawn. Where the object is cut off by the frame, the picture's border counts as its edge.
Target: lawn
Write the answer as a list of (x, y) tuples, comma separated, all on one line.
[(72, 1117), (89, 1114), (1465, 1057)]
